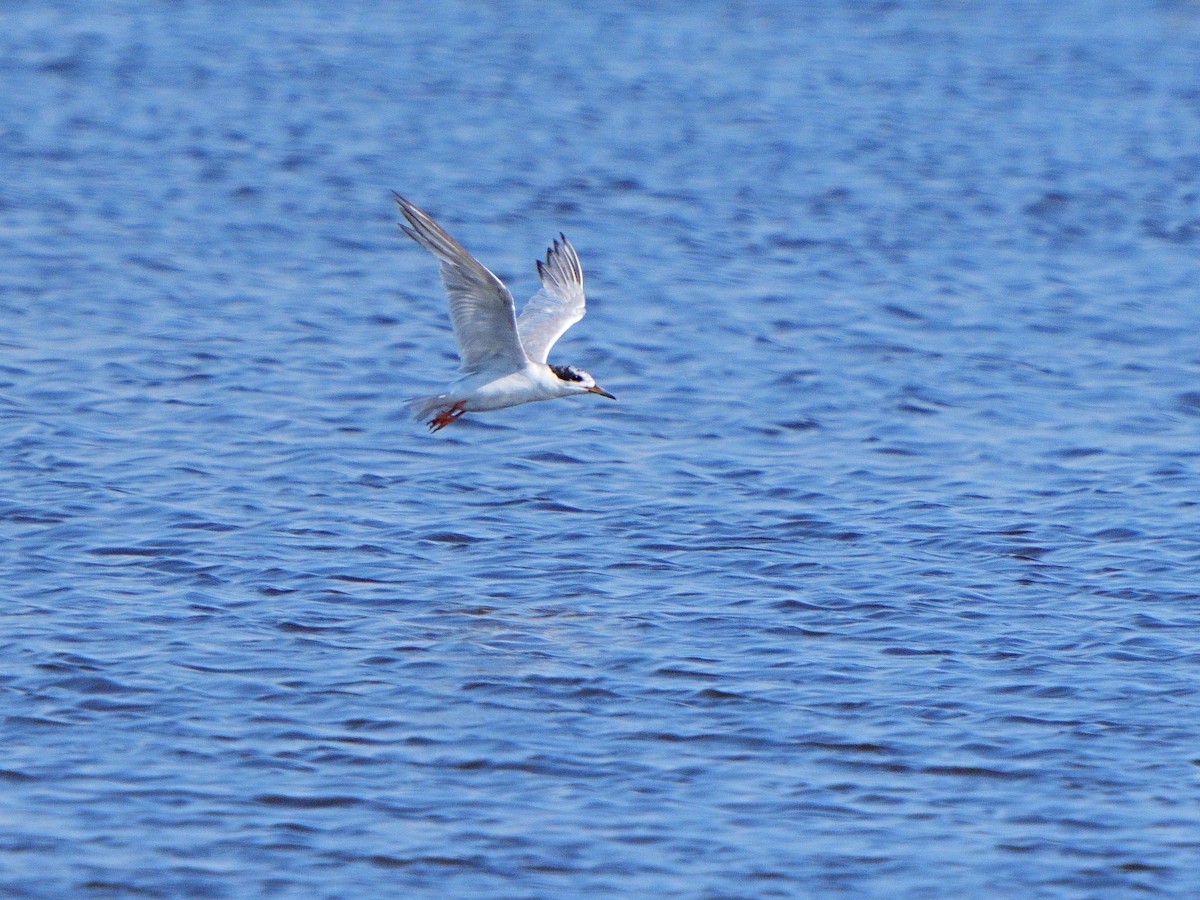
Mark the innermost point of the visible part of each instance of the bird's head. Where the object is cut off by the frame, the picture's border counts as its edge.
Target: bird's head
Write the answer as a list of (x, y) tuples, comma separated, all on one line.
[(577, 381)]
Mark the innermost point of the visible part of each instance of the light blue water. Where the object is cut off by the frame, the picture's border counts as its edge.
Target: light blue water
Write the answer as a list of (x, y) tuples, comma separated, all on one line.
[(881, 579)]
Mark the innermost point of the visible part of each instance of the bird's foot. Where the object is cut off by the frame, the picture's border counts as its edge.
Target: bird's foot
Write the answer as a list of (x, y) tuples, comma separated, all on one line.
[(446, 416)]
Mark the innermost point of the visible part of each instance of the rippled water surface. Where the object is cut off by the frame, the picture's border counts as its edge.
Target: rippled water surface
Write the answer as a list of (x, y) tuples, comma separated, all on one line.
[(882, 578)]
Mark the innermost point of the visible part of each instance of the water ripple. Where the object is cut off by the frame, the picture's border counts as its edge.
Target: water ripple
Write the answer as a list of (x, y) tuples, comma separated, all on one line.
[(879, 580)]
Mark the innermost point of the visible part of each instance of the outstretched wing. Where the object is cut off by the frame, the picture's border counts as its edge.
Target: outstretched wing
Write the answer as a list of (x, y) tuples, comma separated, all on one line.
[(481, 307), (557, 306)]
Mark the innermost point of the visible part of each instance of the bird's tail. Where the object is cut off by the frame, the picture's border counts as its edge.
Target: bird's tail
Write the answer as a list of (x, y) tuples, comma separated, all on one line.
[(423, 408)]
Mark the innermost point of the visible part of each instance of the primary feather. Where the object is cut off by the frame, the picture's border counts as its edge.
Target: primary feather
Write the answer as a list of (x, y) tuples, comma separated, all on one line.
[(481, 307), (557, 306)]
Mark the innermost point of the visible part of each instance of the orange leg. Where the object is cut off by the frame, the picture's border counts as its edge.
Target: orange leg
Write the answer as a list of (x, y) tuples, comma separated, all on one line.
[(446, 416)]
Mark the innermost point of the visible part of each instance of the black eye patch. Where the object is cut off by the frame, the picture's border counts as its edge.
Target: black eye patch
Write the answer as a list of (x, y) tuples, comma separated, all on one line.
[(566, 373)]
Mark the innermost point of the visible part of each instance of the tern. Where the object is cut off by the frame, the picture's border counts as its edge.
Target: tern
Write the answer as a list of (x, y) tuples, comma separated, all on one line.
[(503, 356)]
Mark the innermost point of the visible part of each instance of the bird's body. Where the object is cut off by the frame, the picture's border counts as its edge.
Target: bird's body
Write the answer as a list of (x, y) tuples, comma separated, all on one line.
[(503, 356)]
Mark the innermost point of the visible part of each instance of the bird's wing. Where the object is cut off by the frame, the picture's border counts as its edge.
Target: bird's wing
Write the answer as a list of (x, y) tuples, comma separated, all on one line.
[(481, 307), (557, 306)]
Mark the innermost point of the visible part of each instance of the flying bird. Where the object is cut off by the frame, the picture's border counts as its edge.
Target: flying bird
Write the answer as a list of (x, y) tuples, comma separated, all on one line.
[(503, 356)]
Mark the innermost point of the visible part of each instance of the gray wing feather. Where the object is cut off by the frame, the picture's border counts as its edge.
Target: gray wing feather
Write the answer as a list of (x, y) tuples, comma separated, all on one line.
[(481, 307), (557, 306)]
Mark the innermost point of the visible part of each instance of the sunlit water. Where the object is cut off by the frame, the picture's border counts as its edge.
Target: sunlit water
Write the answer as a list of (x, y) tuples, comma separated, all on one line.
[(881, 578)]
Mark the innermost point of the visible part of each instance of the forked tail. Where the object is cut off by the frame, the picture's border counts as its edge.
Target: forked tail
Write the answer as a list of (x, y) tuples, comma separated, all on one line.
[(437, 411), (423, 408)]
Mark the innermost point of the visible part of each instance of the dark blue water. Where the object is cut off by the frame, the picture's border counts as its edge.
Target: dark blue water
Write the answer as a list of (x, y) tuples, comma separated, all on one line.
[(883, 578)]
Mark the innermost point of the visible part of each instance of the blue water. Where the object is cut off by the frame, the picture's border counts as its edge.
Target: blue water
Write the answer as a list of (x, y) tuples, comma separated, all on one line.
[(881, 579)]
